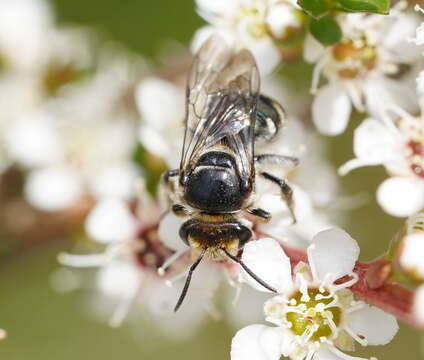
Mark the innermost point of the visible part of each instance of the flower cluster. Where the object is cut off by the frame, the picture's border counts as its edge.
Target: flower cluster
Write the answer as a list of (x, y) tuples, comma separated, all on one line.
[(364, 69), (396, 141), (265, 27), (67, 115), (87, 123)]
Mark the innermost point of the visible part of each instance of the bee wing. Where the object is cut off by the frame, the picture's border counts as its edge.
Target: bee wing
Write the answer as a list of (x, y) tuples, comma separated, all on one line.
[(222, 94)]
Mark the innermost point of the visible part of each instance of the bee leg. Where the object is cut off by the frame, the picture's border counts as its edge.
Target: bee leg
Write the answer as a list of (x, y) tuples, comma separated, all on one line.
[(263, 215), (287, 162), (180, 210), (170, 174), (286, 191)]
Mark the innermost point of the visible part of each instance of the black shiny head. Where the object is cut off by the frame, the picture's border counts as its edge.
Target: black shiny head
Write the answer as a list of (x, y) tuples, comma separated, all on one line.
[(214, 185)]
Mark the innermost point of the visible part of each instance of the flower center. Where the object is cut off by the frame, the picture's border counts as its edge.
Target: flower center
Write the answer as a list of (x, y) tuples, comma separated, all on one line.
[(252, 19), (412, 129), (354, 59), (416, 151), (151, 253), (315, 316), (58, 75)]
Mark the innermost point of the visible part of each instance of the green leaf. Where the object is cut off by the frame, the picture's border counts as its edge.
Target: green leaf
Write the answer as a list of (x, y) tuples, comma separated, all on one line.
[(315, 8), (327, 31), (374, 6)]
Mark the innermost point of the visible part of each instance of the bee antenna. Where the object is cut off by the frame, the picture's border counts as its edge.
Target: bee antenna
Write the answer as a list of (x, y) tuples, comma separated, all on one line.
[(188, 279), (250, 272)]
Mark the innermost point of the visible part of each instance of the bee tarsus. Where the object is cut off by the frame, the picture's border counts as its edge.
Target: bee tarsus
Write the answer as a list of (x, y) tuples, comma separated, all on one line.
[(286, 191)]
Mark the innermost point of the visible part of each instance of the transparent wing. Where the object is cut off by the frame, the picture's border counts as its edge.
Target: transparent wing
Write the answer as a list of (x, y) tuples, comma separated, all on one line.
[(222, 94)]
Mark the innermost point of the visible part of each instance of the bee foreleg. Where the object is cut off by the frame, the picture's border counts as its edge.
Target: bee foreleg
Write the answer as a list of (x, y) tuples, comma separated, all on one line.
[(170, 174), (263, 215), (180, 210), (286, 191)]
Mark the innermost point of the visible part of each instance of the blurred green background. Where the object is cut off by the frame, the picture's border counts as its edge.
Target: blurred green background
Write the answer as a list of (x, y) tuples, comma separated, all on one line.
[(42, 324)]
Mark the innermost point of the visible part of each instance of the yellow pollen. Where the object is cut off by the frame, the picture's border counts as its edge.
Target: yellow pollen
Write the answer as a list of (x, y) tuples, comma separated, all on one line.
[(312, 315)]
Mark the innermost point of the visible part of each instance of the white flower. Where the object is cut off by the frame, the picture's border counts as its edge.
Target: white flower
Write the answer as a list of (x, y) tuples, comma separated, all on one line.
[(255, 24), (398, 145), (358, 68), (314, 316), (3, 334), (161, 106)]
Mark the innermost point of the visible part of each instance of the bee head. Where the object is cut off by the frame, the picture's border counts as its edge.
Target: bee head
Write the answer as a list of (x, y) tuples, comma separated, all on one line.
[(201, 233)]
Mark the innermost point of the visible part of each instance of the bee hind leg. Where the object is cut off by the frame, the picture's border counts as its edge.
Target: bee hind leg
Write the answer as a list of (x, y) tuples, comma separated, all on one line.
[(286, 191)]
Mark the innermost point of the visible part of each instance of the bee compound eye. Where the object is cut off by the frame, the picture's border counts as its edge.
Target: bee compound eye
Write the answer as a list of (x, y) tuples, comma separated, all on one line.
[(244, 235)]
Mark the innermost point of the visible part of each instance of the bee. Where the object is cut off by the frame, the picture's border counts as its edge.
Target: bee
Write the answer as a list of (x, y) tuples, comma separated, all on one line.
[(214, 187)]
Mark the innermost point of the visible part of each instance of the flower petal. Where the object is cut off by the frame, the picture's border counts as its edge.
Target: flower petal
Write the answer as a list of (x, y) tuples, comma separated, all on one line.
[(111, 221), (216, 7), (154, 93), (411, 255), (312, 49), (401, 196), (169, 228), (374, 144), (155, 141), (119, 279), (203, 34), (53, 189), (331, 109), (419, 304), (381, 90), (376, 326), (280, 17), (24, 25), (117, 180), (266, 54), (324, 353), (268, 261), (32, 141), (332, 251), (420, 83), (257, 342)]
